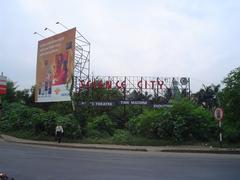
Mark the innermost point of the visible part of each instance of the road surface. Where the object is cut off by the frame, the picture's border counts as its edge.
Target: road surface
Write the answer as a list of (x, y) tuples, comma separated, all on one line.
[(27, 162)]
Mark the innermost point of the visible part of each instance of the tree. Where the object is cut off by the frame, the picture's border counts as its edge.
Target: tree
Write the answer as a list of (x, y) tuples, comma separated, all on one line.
[(32, 94), (23, 96), (230, 99), (11, 92), (208, 96), (139, 96)]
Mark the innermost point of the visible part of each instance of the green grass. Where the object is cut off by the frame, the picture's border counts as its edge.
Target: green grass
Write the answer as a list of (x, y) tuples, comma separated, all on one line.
[(29, 135)]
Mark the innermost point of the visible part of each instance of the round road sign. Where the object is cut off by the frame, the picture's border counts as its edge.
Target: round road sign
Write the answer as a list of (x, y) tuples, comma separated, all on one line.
[(183, 81), (218, 114)]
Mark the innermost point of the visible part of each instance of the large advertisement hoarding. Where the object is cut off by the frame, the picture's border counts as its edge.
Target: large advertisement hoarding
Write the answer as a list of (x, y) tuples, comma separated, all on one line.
[(55, 63)]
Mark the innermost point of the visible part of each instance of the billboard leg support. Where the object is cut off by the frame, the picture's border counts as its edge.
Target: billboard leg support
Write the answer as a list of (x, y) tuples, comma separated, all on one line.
[(73, 106)]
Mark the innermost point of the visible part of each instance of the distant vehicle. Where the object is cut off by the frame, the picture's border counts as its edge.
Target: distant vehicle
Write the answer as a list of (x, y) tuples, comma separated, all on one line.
[(4, 176)]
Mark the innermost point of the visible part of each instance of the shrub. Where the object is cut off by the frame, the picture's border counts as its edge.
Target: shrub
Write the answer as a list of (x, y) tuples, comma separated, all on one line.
[(231, 133), (16, 117), (184, 121), (70, 125), (144, 123), (61, 108), (121, 137), (191, 122), (102, 124), (38, 118), (49, 121), (164, 126), (20, 117)]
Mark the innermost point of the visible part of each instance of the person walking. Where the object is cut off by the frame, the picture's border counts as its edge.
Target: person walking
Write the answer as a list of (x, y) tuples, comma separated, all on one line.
[(59, 133)]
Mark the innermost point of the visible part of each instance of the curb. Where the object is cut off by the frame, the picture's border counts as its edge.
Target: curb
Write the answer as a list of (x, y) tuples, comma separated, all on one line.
[(218, 151), (80, 146), (123, 148)]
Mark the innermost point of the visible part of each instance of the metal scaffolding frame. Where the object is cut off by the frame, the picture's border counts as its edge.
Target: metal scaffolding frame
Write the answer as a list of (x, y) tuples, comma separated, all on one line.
[(81, 60), (82, 73)]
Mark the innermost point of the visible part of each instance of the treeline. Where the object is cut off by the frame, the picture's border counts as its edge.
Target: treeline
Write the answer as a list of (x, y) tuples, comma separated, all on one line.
[(189, 119)]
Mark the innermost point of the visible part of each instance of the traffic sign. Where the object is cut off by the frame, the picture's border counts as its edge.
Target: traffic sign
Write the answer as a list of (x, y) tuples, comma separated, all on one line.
[(183, 81), (218, 114)]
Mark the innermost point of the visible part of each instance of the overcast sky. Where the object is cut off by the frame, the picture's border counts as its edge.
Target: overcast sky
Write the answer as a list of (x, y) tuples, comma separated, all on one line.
[(199, 39)]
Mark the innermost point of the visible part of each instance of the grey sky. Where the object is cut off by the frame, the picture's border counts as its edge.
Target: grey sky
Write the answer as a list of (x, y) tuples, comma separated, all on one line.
[(195, 38)]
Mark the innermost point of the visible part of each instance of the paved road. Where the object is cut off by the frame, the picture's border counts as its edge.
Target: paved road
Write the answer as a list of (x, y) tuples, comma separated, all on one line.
[(26, 162)]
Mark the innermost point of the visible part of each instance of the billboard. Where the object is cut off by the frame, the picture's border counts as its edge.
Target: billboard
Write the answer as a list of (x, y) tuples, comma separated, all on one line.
[(55, 63)]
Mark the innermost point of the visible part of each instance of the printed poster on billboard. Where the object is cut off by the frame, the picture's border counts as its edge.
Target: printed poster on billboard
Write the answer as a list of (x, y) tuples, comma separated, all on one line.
[(55, 62)]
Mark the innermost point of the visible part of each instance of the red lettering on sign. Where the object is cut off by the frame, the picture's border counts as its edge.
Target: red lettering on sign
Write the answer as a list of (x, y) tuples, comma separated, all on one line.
[(160, 83), (109, 84), (100, 84), (88, 84), (82, 84), (94, 84), (152, 84), (145, 84), (123, 84), (139, 84), (117, 85)]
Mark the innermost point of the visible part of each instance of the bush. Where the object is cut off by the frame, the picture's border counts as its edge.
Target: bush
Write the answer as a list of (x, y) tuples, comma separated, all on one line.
[(18, 117), (61, 108), (144, 123), (191, 122), (50, 122), (164, 126), (70, 126), (121, 137), (102, 124), (38, 121), (95, 134), (231, 133), (185, 121)]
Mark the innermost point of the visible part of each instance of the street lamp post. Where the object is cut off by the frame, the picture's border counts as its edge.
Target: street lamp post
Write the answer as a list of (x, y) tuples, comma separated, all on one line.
[(49, 30), (61, 25), (38, 34)]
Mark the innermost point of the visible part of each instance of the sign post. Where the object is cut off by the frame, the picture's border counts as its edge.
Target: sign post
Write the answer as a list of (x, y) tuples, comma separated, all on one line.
[(218, 115)]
